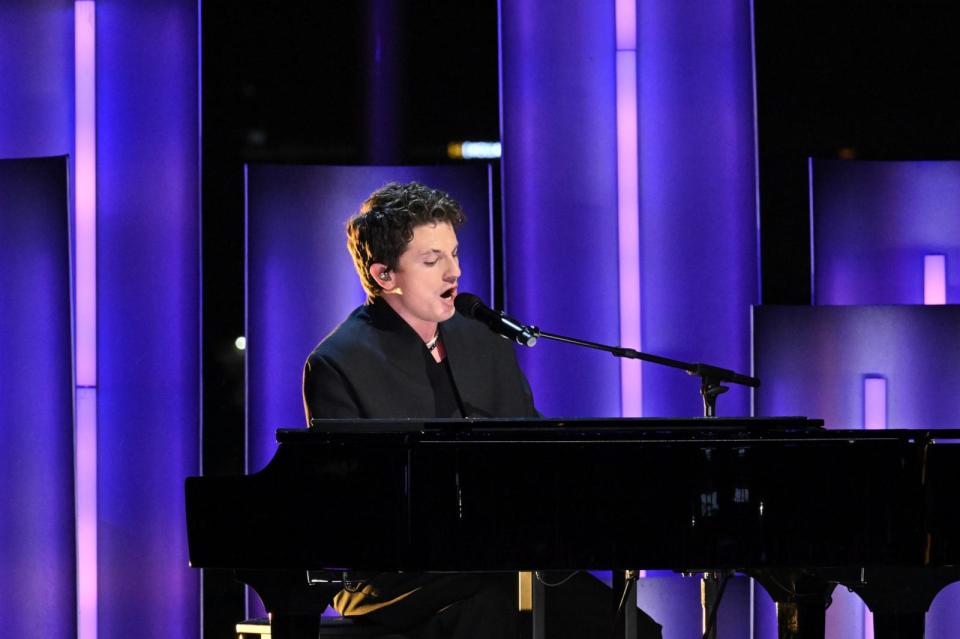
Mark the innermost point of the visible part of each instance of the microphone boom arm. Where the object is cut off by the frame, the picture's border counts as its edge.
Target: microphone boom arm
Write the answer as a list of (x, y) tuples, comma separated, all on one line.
[(711, 377)]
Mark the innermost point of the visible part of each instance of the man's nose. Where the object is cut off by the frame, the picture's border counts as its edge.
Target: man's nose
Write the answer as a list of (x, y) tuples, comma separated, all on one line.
[(453, 272)]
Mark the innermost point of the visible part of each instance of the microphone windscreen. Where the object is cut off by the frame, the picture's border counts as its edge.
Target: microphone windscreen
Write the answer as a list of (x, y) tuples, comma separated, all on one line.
[(468, 304)]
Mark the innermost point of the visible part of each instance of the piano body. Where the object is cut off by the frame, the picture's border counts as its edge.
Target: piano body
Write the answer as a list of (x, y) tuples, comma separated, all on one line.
[(798, 507)]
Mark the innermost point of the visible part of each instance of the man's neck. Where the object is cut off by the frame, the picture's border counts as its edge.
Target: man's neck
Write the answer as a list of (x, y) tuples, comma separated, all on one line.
[(425, 330)]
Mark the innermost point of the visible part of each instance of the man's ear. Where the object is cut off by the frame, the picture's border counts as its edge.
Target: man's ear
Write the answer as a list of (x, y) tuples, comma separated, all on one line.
[(381, 275)]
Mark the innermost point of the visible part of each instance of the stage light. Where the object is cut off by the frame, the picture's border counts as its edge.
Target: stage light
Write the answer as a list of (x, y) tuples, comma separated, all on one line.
[(467, 150), (934, 279), (85, 166), (480, 150), (874, 402), (628, 207)]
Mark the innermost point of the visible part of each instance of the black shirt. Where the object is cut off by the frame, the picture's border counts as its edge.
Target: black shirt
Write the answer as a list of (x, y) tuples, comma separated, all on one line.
[(445, 397), (373, 366)]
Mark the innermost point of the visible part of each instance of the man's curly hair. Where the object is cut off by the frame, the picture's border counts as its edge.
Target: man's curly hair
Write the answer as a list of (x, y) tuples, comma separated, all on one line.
[(381, 230)]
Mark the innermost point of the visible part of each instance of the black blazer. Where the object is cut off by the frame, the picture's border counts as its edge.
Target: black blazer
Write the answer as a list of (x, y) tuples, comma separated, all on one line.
[(372, 365)]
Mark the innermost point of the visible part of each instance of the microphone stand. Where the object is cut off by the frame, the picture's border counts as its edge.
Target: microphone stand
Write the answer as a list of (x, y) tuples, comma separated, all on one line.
[(712, 378)]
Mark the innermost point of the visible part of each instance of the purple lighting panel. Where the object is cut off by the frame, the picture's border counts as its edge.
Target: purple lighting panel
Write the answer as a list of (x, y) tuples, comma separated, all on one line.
[(631, 384), (301, 282), (697, 196), (813, 359), (85, 172), (148, 360), (581, 258), (85, 296), (36, 78), (934, 279), (559, 135), (874, 402), (37, 533), (626, 17), (862, 367), (873, 223)]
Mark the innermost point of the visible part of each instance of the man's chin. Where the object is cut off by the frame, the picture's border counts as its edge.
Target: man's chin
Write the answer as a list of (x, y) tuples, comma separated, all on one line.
[(447, 313)]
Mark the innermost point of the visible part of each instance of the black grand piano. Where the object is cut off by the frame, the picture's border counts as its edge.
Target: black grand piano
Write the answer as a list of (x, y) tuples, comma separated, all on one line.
[(796, 506)]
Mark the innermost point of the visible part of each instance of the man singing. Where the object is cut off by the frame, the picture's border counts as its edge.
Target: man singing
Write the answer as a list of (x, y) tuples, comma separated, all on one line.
[(407, 353)]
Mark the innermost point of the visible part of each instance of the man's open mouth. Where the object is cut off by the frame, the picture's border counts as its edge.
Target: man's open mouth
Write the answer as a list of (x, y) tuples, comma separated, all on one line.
[(447, 294)]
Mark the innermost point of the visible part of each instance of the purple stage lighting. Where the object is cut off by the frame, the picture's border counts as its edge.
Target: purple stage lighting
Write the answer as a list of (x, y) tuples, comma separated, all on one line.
[(874, 223), (148, 315), (559, 134), (628, 229), (85, 292), (935, 278), (874, 402), (37, 534)]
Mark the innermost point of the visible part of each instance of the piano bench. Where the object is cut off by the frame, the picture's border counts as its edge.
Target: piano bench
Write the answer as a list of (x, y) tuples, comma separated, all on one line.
[(330, 627)]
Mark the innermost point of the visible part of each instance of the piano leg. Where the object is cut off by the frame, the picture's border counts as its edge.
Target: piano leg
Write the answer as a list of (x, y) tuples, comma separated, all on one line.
[(898, 626), (294, 626), (710, 593), (532, 606), (899, 596), (801, 602), (294, 602), (624, 592)]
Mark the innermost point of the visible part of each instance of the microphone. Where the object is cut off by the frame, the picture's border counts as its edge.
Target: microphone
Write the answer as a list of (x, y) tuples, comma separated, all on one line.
[(499, 322)]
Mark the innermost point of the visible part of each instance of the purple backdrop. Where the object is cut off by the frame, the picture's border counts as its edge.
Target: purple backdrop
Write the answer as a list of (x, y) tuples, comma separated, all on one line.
[(558, 122), (874, 221), (872, 224), (149, 314), (697, 196), (812, 360), (37, 536), (36, 78), (697, 186), (697, 207)]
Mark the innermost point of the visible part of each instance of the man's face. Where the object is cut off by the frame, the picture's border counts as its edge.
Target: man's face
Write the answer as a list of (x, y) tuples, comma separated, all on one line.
[(425, 281)]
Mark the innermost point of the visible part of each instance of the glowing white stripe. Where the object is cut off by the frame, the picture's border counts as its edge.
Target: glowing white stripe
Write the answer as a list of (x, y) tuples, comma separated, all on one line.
[(874, 403), (626, 19), (86, 513), (85, 168), (934, 279), (85, 289), (628, 218), (812, 236)]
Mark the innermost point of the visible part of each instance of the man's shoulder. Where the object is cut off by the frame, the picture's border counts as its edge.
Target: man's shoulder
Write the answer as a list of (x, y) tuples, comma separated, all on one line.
[(349, 337)]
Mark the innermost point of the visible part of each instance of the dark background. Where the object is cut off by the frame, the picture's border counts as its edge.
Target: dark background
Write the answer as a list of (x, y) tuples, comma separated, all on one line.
[(383, 82), (854, 80)]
